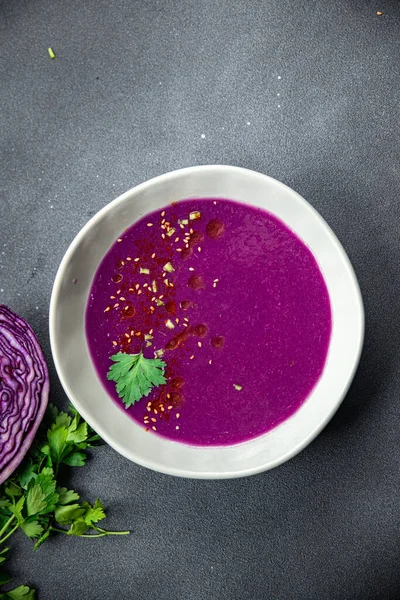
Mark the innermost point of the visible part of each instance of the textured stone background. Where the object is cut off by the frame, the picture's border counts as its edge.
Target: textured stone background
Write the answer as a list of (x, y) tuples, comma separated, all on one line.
[(305, 91)]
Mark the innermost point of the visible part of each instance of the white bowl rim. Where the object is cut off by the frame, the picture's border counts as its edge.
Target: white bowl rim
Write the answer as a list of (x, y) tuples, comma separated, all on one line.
[(91, 419)]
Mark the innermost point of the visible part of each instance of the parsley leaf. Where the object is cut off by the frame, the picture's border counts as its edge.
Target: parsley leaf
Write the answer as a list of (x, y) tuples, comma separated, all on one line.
[(33, 500), (32, 529), (42, 497), (22, 592), (66, 496), (135, 376), (94, 513), (68, 514)]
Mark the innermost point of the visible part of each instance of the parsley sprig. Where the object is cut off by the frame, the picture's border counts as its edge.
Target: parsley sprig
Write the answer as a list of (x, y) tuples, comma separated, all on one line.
[(135, 376), (33, 499)]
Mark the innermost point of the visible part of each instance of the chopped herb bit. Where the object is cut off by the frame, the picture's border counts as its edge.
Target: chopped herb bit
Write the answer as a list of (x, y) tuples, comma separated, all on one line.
[(148, 336), (168, 267), (196, 214), (237, 387), (171, 231), (169, 324), (154, 286), (159, 302), (159, 353), (51, 52), (144, 271)]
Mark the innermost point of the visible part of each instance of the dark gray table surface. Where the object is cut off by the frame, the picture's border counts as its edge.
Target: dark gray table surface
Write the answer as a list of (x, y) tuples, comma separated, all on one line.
[(307, 92)]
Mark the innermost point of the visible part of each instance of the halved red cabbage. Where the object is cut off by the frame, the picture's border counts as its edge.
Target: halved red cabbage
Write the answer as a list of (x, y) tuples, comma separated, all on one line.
[(24, 389)]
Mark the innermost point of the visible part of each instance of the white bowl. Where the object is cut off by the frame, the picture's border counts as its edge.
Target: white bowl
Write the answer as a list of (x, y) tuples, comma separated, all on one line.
[(78, 376)]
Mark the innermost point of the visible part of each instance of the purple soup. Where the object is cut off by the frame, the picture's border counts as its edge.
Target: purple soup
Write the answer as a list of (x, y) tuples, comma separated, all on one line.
[(243, 321)]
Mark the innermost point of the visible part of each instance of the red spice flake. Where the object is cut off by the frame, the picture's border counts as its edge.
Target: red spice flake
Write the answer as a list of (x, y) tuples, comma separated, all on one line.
[(200, 330), (128, 311), (170, 307), (195, 238), (218, 342), (196, 282), (186, 304), (176, 399), (177, 340), (116, 278), (177, 383), (215, 229), (185, 253)]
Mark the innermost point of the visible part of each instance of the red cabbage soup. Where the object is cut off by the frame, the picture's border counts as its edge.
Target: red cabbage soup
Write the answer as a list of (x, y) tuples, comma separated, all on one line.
[(234, 305)]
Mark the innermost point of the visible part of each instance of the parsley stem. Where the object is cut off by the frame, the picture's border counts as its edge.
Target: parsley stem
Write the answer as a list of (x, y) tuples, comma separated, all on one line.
[(91, 535), (106, 532), (7, 525), (9, 533)]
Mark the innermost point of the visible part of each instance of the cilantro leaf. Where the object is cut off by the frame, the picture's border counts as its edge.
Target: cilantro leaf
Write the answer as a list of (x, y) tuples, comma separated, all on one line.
[(12, 490), (78, 527), (68, 514), (32, 529), (75, 459), (135, 376), (57, 437), (66, 496), (16, 509), (28, 473), (77, 433), (22, 592), (41, 496), (93, 513)]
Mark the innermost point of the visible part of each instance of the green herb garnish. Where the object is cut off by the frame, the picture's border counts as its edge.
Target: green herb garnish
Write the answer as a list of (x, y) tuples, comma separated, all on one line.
[(237, 387), (168, 268), (33, 499), (135, 376)]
